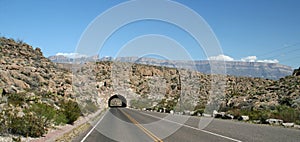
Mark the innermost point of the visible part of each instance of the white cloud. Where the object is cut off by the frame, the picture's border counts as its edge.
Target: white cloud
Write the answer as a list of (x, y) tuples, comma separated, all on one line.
[(249, 59), (221, 58), (245, 59), (255, 59), (269, 61), (71, 55)]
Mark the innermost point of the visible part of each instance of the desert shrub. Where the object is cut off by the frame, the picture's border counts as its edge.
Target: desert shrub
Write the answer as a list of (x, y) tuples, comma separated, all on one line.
[(261, 115), (235, 112), (286, 113), (60, 118), (170, 105), (283, 112), (224, 108), (16, 98), (71, 110), (43, 112), (3, 126), (16, 139), (47, 114), (90, 107), (28, 125), (286, 101), (45, 94), (34, 84), (35, 122), (141, 103), (198, 111)]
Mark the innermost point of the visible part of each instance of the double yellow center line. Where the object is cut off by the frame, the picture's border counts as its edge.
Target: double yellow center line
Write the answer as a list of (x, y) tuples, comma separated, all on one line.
[(150, 134)]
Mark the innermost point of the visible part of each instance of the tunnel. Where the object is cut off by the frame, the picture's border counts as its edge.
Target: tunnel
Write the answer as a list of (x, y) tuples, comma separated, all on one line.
[(117, 101)]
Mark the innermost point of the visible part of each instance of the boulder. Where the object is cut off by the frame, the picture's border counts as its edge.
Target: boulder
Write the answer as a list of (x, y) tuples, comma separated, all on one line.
[(13, 67), (21, 84), (288, 124), (244, 118), (273, 121)]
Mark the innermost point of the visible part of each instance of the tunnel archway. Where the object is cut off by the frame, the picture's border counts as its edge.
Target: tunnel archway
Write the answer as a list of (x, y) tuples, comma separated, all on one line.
[(117, 101)]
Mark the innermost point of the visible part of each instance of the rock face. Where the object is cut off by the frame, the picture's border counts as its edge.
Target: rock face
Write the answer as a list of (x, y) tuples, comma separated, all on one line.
[(163, 87), (156, 86), (24, 68), (35, 94)]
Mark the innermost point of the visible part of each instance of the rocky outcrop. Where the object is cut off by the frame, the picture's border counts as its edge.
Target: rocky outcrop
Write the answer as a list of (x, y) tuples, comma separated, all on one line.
[(25, 68), (35, 94), (296, 72), (163, 87)]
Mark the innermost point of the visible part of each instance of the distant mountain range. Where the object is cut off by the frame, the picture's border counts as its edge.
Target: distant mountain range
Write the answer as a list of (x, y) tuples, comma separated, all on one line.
[(64, 59), (236, 68)]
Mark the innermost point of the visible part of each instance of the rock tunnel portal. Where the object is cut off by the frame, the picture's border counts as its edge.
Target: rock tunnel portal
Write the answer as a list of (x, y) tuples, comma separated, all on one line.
[(117, 101)]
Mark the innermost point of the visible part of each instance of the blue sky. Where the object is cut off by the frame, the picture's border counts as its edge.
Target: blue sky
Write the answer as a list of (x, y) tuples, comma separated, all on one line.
[(248, 30)]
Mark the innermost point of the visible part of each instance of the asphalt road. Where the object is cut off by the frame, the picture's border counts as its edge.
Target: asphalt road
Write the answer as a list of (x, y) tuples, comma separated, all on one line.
[(127, 125)]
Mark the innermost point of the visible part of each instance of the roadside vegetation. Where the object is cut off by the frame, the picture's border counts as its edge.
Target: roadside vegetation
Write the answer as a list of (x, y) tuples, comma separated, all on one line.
[(31, 117), (282, 112)]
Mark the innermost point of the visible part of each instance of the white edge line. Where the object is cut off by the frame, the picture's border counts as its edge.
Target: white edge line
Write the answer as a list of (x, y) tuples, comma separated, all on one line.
[(192, 127), (93, 127)]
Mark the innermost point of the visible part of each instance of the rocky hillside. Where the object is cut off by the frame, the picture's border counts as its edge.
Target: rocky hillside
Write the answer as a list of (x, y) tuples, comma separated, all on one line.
[(157, 83), (159, 87), (24, 68), (35, 94)]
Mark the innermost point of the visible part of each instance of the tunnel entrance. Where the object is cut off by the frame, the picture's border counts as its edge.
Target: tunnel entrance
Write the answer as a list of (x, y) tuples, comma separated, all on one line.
[(117, 101)]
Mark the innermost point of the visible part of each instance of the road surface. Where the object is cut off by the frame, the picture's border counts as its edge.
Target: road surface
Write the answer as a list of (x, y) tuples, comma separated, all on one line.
[(128, 125)]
